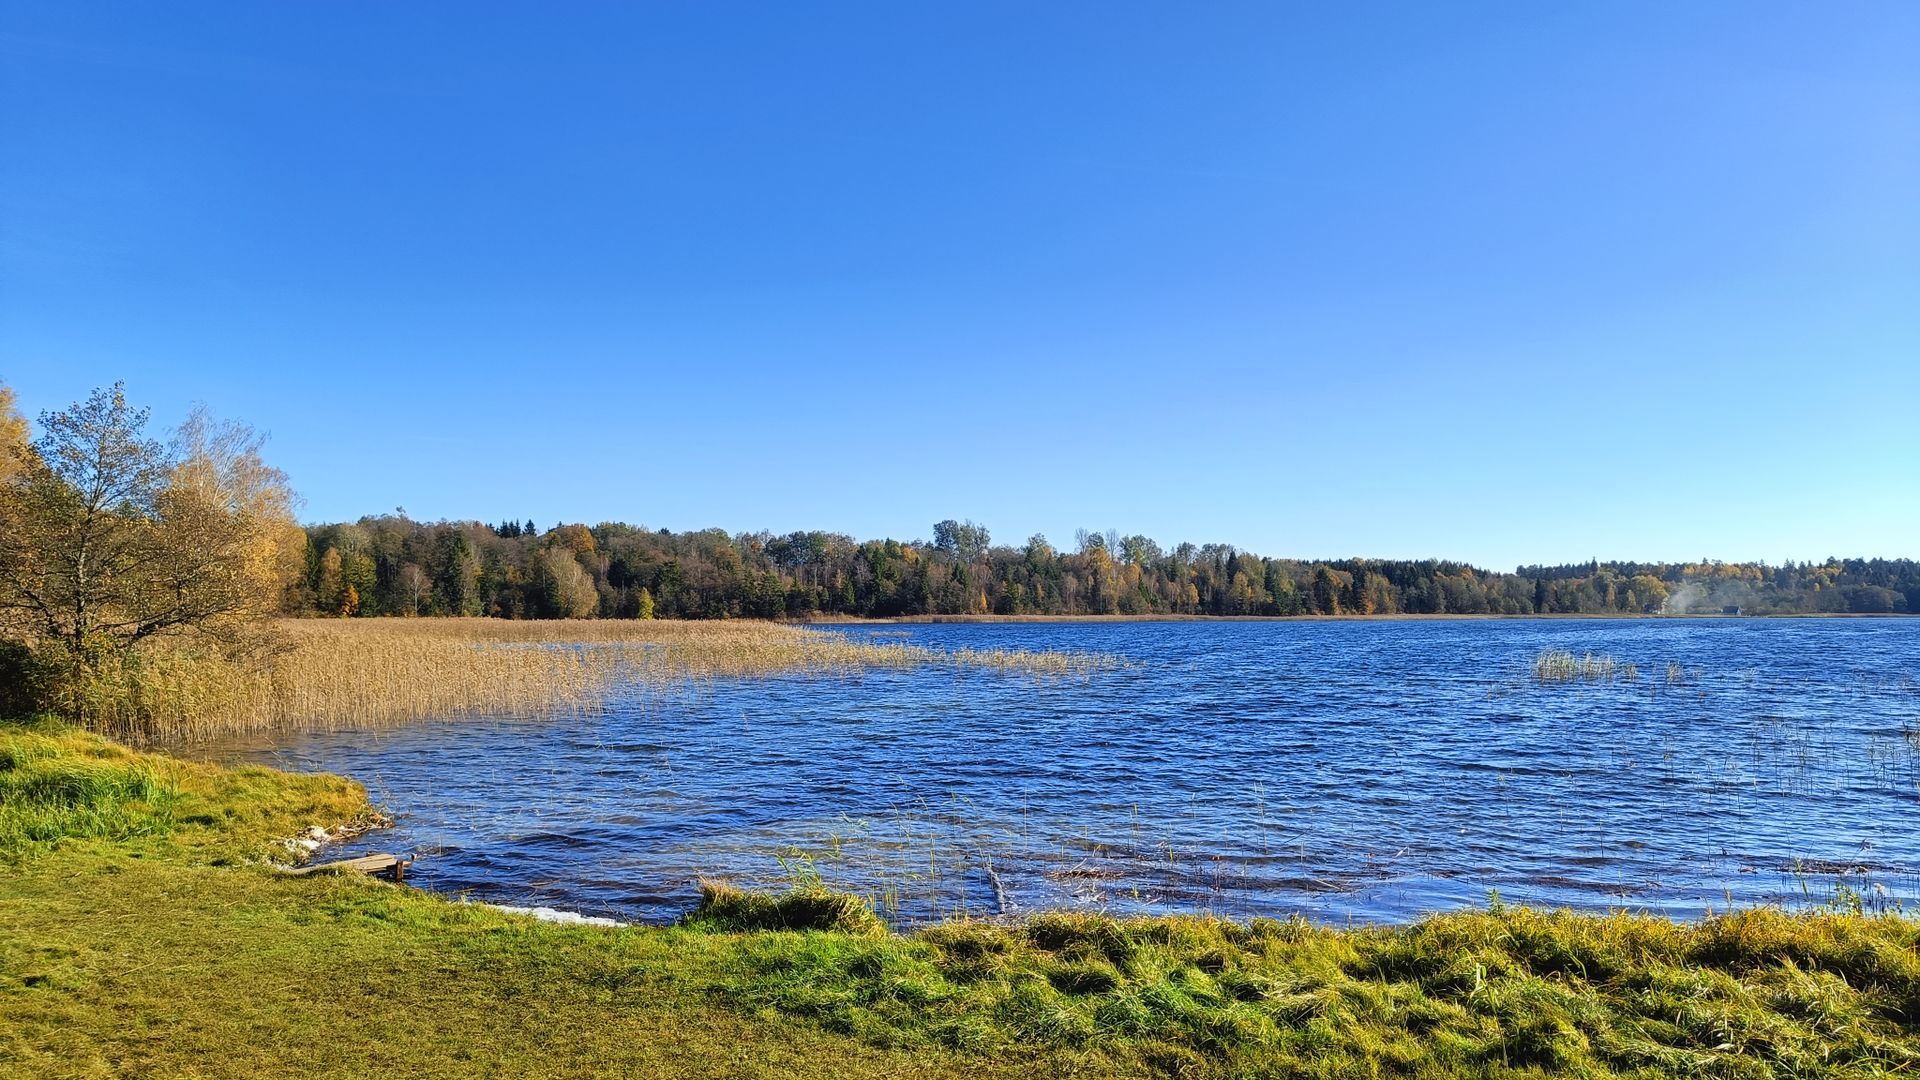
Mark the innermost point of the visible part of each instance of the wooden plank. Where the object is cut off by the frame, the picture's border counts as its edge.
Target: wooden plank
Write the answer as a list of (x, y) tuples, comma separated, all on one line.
[(365, 864)]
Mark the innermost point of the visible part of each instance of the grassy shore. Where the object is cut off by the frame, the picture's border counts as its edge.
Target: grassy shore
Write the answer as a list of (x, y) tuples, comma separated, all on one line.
[(143, 934)]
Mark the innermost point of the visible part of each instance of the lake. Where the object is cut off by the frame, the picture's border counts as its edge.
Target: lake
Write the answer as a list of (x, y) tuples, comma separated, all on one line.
[(1367, 771)]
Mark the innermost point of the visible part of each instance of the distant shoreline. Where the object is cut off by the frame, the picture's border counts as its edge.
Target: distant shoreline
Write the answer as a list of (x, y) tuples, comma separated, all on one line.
[(850, 620)]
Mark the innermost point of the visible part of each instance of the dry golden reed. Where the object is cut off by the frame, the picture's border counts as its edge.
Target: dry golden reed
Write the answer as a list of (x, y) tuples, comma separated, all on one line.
[(1559, 665), (336, 673)]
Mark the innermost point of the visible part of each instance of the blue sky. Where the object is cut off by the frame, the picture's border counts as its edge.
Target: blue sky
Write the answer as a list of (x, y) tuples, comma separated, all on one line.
[(1507, 283)]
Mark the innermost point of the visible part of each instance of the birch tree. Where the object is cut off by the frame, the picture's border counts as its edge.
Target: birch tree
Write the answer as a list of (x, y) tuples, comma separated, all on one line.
[(109, 537)]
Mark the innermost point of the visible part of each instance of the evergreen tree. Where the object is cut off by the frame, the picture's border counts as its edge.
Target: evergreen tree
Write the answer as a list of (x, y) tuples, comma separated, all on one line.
[(1326, 592)]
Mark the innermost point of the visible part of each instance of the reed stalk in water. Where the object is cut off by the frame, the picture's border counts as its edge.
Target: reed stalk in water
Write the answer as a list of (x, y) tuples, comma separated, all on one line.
[(1559, 665)]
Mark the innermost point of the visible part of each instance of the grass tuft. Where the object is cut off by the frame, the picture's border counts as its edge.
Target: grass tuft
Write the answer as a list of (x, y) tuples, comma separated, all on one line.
[(808, 907)]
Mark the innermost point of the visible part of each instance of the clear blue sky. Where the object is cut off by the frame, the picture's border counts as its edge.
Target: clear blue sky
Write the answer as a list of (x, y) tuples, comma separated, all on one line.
[(1497, 282)]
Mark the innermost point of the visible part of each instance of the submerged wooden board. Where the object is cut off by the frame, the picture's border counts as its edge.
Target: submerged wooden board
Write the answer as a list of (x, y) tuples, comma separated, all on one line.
[(366, 864)]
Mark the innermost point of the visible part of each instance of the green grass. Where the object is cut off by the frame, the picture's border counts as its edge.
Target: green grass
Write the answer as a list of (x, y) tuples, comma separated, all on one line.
[(60, 786), (140, 936), (1491, 993), (725, 909), (53, 793)]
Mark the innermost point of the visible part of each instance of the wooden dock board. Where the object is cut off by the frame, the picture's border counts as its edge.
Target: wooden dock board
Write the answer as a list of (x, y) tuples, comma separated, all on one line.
[(391, 865)]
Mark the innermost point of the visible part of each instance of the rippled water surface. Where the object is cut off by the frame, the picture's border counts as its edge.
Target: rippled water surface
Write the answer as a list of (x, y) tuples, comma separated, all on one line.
[(1370, 770)]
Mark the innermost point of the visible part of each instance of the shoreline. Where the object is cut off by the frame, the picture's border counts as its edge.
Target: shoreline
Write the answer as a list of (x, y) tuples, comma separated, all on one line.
[(160, 876), (853, 620)]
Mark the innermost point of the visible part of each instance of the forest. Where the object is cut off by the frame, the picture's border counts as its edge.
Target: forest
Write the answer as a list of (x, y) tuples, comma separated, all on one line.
[(390, 565)]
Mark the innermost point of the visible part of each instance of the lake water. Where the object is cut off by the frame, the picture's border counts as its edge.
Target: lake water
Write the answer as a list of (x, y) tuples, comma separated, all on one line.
[(1371, 771)]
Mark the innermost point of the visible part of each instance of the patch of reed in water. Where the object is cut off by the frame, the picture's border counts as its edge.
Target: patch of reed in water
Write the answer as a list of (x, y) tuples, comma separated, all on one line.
[(1559, 665)]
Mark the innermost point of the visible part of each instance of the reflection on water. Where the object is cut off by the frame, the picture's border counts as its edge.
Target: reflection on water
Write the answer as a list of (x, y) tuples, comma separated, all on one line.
[(1371, 771)]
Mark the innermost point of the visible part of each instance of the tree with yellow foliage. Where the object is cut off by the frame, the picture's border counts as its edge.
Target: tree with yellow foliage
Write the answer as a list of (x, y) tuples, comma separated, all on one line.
[(568, 589), (109, 538), (13, 434)]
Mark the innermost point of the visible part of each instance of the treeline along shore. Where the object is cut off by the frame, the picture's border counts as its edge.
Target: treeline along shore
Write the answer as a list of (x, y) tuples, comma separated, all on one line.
[(391, 565), (144, 583)]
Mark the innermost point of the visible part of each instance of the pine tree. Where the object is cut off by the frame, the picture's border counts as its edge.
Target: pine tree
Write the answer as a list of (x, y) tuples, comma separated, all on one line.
[(1326, 592)]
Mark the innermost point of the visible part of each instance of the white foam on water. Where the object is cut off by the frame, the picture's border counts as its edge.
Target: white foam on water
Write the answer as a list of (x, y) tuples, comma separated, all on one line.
[(555, 915)]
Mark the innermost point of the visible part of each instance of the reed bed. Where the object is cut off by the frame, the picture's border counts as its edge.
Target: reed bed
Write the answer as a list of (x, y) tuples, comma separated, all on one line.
[(1559, 666), (330, 674)]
